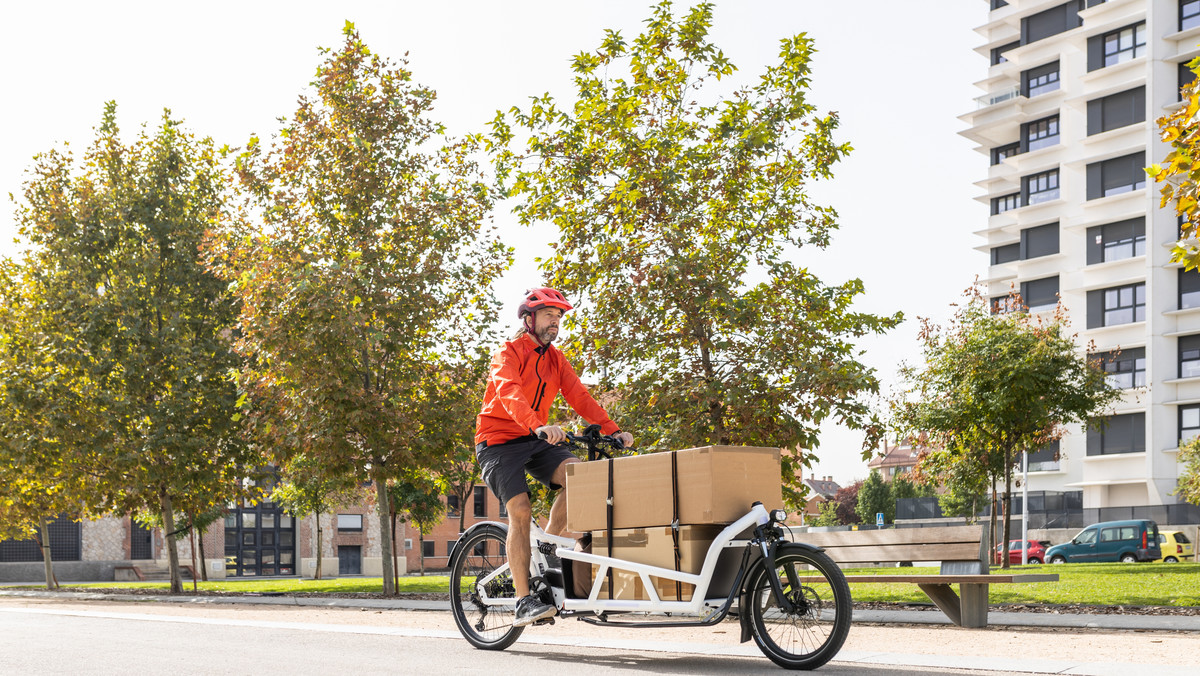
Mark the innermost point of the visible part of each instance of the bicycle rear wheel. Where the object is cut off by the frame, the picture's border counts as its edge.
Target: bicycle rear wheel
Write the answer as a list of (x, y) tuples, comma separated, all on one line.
[(478, 573), (815, 630)]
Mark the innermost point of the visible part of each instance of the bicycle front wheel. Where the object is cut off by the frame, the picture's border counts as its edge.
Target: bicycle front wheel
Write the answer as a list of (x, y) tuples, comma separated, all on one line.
[(814, 631), (478, 577)]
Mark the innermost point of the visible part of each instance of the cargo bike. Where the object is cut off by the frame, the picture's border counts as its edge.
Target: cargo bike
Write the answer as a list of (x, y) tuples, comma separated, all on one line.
[(791, 598)]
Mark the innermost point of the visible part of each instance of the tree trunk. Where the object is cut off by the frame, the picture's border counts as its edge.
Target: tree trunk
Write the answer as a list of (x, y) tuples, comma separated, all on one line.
[(1004, 564), (992, 522), (192, 533), (422, 553), (462, 513), (320, 548), (385, 536), (168, 517), (43, 540), (395, 563), (203, 561)]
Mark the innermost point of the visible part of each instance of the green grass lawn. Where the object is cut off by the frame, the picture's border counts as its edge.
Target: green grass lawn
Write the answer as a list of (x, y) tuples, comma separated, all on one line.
[(1137, 584), (1141, 584)]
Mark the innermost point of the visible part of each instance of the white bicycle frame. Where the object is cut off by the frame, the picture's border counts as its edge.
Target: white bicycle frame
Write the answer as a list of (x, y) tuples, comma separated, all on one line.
[(757, 515)]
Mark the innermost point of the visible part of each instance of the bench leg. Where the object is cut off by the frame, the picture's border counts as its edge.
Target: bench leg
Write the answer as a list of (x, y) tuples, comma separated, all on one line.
[(974, 605), (943, 597)]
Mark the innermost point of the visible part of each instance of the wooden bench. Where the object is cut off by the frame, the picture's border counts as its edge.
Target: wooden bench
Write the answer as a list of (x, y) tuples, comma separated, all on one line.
[(123, 573), (962, 550)]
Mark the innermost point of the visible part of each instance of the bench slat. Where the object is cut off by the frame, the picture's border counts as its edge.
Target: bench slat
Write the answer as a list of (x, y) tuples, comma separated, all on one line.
[(966, 551), (957, 579), (894, 536)]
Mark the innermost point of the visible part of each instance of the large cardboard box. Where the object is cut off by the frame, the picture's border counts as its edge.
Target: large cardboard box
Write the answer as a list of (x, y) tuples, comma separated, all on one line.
[(717, 484), (655, 547)]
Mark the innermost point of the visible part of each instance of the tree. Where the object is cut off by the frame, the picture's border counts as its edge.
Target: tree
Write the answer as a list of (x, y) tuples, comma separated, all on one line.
[(417, 498), (681, 213), (1189, 479), (1176, 172), (997, 384), (136, 327), (875, 496), (847, 503), (364, 265), (828, 515), (306, 488)]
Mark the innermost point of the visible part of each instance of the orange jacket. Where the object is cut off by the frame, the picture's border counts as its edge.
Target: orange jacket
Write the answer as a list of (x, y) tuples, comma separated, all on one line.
[(523, 382)]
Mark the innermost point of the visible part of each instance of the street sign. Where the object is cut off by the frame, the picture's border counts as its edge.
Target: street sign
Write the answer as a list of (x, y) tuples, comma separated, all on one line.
[(878, 518)]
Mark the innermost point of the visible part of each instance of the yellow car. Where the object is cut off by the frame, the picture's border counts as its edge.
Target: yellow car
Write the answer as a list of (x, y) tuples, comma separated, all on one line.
[(1175, 547)]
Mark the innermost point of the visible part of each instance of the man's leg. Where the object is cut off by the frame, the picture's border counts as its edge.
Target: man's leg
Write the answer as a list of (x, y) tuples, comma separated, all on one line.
[(517, 545), (558, 511)]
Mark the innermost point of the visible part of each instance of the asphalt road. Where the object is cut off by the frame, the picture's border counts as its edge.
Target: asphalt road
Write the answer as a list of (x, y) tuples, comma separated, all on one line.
[(43, 636)]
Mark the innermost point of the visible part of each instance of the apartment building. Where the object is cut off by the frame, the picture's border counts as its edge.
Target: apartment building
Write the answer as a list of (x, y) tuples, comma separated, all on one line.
[(1067, 122)]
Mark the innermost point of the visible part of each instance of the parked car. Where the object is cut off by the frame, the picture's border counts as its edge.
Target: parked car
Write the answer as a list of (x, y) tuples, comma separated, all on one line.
[(1124, 541), (1175, 546), (1037, 551)]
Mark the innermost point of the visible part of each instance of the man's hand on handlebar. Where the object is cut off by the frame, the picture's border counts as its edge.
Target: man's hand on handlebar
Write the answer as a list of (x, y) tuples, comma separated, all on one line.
[(625, 438), (552, 433)]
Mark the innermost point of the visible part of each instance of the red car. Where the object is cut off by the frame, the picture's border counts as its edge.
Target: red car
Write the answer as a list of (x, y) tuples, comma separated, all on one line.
[(1037, 551)]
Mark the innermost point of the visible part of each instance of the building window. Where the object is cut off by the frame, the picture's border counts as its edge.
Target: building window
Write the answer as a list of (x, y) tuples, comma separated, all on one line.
[(1005, 203), (1116, 241), (1186, 75), (1040, 295), (1116, 176), (1189, 288), (480, 502), (1189, 14), (1041, 133), (1116, 110), (428, 548), (1050, 22), (1189, 422), (998, 52), (1118, 305), (1044, 459), (451, 505), (1006, 254), (1002, 305), (1040, 188), (1123, 369), (1040, 80), (1116, 434), (450, 547), (1125, 44), (503, 511), (997, 4), (1039, 241), (999, 154), (349, 523), (1189, 356)]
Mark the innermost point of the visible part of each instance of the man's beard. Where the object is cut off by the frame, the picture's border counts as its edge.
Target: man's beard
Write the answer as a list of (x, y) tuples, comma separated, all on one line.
[(547, 335)]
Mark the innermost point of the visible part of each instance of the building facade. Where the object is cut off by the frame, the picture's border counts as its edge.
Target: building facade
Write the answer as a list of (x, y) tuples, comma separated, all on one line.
[(1067, 122)]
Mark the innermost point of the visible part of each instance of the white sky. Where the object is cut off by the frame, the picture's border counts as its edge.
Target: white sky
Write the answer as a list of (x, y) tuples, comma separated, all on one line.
[(897, 72)]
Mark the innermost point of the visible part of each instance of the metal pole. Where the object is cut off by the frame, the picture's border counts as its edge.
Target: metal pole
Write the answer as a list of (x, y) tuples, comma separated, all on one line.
[(1024, 508)]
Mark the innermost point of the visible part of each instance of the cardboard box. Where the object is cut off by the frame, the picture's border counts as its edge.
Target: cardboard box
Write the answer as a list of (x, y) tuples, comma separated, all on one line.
[(656, 547), (717, 485)]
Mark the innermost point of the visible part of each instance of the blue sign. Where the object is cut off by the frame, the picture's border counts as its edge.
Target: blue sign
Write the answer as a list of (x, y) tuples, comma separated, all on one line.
[(878, 518)]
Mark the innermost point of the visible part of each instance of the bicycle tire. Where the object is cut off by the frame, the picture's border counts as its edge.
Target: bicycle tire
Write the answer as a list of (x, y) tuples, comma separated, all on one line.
[(486, 627), (815, 631)]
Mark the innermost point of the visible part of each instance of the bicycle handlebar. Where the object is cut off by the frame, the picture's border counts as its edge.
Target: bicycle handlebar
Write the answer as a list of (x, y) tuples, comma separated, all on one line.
[(591, 439)]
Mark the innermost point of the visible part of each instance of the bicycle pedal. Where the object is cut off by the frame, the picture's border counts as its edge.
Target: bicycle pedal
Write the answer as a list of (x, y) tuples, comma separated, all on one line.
[(544, 620)]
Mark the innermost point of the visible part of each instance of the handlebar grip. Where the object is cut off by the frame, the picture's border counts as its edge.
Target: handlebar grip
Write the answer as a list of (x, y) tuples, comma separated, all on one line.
[(541, 435)]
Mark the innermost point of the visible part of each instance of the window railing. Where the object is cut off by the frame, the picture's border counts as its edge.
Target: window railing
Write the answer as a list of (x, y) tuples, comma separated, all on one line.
[(1001, 96)]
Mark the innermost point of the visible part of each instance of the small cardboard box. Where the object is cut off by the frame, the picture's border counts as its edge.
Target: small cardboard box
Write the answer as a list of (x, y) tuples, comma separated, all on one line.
[(717, 484), (655, 547)]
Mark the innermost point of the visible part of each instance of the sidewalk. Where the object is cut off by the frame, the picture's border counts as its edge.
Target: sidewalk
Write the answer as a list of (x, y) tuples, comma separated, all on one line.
[(995, 619)]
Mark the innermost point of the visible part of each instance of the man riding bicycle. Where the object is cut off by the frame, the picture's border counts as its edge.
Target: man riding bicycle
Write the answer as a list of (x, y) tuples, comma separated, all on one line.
[(526, 375)]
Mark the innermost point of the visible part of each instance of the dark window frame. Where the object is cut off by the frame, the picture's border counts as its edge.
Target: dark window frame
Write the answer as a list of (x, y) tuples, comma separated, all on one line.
[(1124, 369), (1185, 76), (1189, 356), (1116, 111), (1098, 175), (350, 529), (428, 549), (998, 52), (1005, 203), (1006, 254), (1188, 287), (1105, 242), (452, 506), (1040, 288), (1113, 49), (1043, 132), (1189, 14), (1124, 434), (1000, 153), (1046, 184), (479, 497), (1046, 78), (1039, 241)]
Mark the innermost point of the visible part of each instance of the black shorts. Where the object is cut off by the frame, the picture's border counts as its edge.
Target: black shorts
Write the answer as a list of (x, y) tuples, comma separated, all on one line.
[(504, 465)]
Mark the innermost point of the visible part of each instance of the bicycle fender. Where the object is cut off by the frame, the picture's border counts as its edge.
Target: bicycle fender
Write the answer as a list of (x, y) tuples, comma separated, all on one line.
[(500, 528), (744, 597)]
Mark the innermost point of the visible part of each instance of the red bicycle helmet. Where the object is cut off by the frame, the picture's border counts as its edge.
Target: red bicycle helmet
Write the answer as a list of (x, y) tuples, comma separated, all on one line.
[(536, 299)]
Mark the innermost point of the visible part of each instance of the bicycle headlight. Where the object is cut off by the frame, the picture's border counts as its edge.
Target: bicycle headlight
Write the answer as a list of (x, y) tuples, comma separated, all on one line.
[(778, 515)]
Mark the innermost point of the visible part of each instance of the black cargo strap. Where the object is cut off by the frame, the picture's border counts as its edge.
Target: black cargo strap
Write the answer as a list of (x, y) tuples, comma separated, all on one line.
[(611, 588), (675, 521)]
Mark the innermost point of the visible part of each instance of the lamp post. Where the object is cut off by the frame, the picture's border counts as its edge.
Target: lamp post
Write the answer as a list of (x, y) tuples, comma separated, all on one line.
[(1024, 508)]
